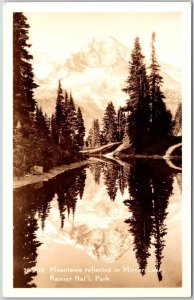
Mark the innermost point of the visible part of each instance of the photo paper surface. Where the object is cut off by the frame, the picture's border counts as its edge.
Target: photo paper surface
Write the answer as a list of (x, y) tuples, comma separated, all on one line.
[(97, 146)]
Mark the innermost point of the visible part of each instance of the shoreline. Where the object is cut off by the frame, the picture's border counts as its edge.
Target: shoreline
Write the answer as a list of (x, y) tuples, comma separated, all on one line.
[(31, 179), (153, 156)]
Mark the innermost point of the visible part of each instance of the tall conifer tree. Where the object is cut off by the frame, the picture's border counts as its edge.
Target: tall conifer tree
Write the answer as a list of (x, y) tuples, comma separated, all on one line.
[(59, 114), (23, 77), (137, 89), (23, 97), (110, 124), (121, 122), (80, 129), (71, 119), (161, 119), (94, 134)]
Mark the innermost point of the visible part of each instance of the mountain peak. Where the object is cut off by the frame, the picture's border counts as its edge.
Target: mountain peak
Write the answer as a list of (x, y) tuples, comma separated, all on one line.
[(100, 52), (105, 41)]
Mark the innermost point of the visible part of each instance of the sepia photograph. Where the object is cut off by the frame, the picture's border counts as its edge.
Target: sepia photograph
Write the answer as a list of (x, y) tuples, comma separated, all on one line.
[(98, 195)]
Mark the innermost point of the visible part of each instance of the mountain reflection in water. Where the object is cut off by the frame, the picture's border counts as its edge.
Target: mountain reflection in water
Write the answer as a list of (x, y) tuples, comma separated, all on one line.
[(105, 214)]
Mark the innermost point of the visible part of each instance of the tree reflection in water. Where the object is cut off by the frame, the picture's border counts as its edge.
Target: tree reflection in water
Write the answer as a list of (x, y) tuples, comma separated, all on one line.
[(25, 243), (32, 203), (68, 189), (150, 186), (96, 169)]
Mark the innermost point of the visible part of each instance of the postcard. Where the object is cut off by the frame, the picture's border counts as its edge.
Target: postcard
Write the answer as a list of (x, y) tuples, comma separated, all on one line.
[(97, 149)]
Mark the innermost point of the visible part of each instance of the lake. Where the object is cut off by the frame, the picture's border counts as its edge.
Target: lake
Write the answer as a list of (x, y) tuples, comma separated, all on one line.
[(108, 224)]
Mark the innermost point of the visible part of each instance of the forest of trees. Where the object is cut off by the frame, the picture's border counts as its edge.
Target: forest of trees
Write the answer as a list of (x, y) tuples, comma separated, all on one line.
[(145, 120), (144, 123), (38, 139)]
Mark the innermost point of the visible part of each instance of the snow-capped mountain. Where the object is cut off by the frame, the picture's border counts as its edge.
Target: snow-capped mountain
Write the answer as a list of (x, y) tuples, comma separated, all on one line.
[(96, 75)]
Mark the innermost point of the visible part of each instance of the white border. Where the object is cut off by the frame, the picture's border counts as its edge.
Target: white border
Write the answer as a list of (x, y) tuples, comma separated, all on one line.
[(9, 8)]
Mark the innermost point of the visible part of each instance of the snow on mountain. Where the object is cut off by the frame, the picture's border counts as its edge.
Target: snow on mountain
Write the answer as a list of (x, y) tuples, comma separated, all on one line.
[(96, 75)]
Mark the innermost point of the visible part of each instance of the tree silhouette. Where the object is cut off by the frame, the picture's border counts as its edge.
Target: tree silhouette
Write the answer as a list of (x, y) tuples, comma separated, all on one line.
[(137, 89), (110, 172), (43, 197), (69, 186), (122, 179), (162, 189), (96, 169), (59, 114), (80, 181), (23, 96), (94, 137), (110, 124), (25, 243), (149, 191), (23, 77), (121, 124), (161, 118), (71, 119), (140, 204), (80, 129)]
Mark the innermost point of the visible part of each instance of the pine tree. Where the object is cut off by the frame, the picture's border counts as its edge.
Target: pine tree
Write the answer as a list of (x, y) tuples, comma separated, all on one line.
[(71, 120), (110, 124), (138, 104), (23, 77), (96, 133), (161, 118), (23, 97), (59, 114), (41, 138), (121, 122), (94, 136), (90, 137), (80, 129)]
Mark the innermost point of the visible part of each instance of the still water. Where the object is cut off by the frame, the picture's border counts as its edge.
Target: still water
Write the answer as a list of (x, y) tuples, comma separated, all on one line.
[(108, 224)]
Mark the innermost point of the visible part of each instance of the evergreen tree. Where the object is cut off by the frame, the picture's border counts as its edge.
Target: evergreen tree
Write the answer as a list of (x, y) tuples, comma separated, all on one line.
[(54, 133), (121, 122), (80, 129), (59, 114), (71, 120), (23, 77), (110, 124), (161, 118), (90, 137), (23, 97), (41, 138), (138, 90), (94, 136), (96, 133)]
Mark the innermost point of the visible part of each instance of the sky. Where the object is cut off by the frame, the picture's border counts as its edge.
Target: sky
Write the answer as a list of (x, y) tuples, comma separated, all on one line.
[(59, 34)]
